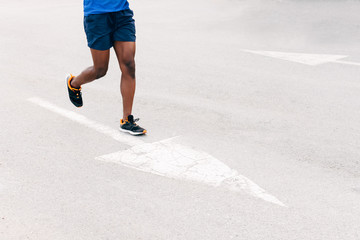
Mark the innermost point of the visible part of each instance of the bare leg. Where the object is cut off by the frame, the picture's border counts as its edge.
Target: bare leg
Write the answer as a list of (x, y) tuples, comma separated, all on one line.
[(125, 53), (98, 70)]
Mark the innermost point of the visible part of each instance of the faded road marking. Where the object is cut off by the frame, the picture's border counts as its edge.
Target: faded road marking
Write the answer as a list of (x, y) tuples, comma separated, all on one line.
[(115, 134), (305, 58), (173, 160), (166, 158)]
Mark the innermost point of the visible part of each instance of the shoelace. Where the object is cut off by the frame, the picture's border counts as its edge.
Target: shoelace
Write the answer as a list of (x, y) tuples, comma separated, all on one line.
[(135, 120)]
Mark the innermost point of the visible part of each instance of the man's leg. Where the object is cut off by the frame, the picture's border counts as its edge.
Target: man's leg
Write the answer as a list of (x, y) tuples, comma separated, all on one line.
[(125, 52), (98, 70)]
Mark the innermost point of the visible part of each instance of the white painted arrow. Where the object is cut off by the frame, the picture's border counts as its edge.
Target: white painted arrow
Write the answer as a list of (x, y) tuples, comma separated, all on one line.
[(168, 159), (304, 58), (172, 160)]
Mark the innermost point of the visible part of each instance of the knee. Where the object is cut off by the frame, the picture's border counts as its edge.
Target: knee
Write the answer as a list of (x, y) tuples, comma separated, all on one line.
[(129, 67), (100, 72)]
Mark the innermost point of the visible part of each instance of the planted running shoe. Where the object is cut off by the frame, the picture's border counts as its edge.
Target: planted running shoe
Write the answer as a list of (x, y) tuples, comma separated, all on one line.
[(74, 93), (131, 127)]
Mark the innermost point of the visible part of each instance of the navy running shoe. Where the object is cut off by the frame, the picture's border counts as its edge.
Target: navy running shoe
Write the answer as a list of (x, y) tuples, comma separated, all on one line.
[(128, 125), (74, 93)]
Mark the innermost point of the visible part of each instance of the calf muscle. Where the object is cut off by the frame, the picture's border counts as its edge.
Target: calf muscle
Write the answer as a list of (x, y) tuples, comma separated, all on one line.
[(98, 70)]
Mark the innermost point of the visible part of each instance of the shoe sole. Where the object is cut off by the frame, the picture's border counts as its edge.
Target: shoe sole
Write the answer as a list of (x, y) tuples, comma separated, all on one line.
[(132, 133)]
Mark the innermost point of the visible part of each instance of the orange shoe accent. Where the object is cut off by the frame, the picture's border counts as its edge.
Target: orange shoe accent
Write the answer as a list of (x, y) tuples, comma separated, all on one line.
[(122, 121), (69, 85)]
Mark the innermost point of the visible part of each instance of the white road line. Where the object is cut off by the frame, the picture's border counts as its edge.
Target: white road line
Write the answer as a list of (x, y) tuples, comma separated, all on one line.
[(347, 62), (168, 159), (305, 58), (115, 134)]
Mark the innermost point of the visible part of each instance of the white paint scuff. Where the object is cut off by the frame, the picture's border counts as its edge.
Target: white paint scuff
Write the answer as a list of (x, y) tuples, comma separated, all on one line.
[(168, 159)]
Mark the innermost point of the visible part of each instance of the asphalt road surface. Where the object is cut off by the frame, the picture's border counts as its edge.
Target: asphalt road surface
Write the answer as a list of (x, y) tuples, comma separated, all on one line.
[(253, 117)]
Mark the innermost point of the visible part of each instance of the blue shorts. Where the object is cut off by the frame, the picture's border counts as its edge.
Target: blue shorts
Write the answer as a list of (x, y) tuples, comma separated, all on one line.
[(102, 30)]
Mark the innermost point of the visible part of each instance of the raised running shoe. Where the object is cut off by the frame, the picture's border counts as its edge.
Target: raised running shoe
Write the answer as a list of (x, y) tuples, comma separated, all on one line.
[(74, 93)]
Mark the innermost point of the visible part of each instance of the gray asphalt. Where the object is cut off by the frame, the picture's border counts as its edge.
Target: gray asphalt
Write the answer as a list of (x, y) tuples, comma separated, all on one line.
[(293, 129)]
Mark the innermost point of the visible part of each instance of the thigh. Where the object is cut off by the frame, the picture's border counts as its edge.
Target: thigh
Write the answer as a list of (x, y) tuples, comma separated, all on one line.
[(125, 52), (100, 58)]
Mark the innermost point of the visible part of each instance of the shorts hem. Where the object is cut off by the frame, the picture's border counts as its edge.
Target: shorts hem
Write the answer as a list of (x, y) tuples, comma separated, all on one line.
[(100, 48)]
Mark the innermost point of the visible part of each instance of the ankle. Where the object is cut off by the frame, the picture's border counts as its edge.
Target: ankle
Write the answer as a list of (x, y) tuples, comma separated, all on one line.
[(125, 116), (74, 84)]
